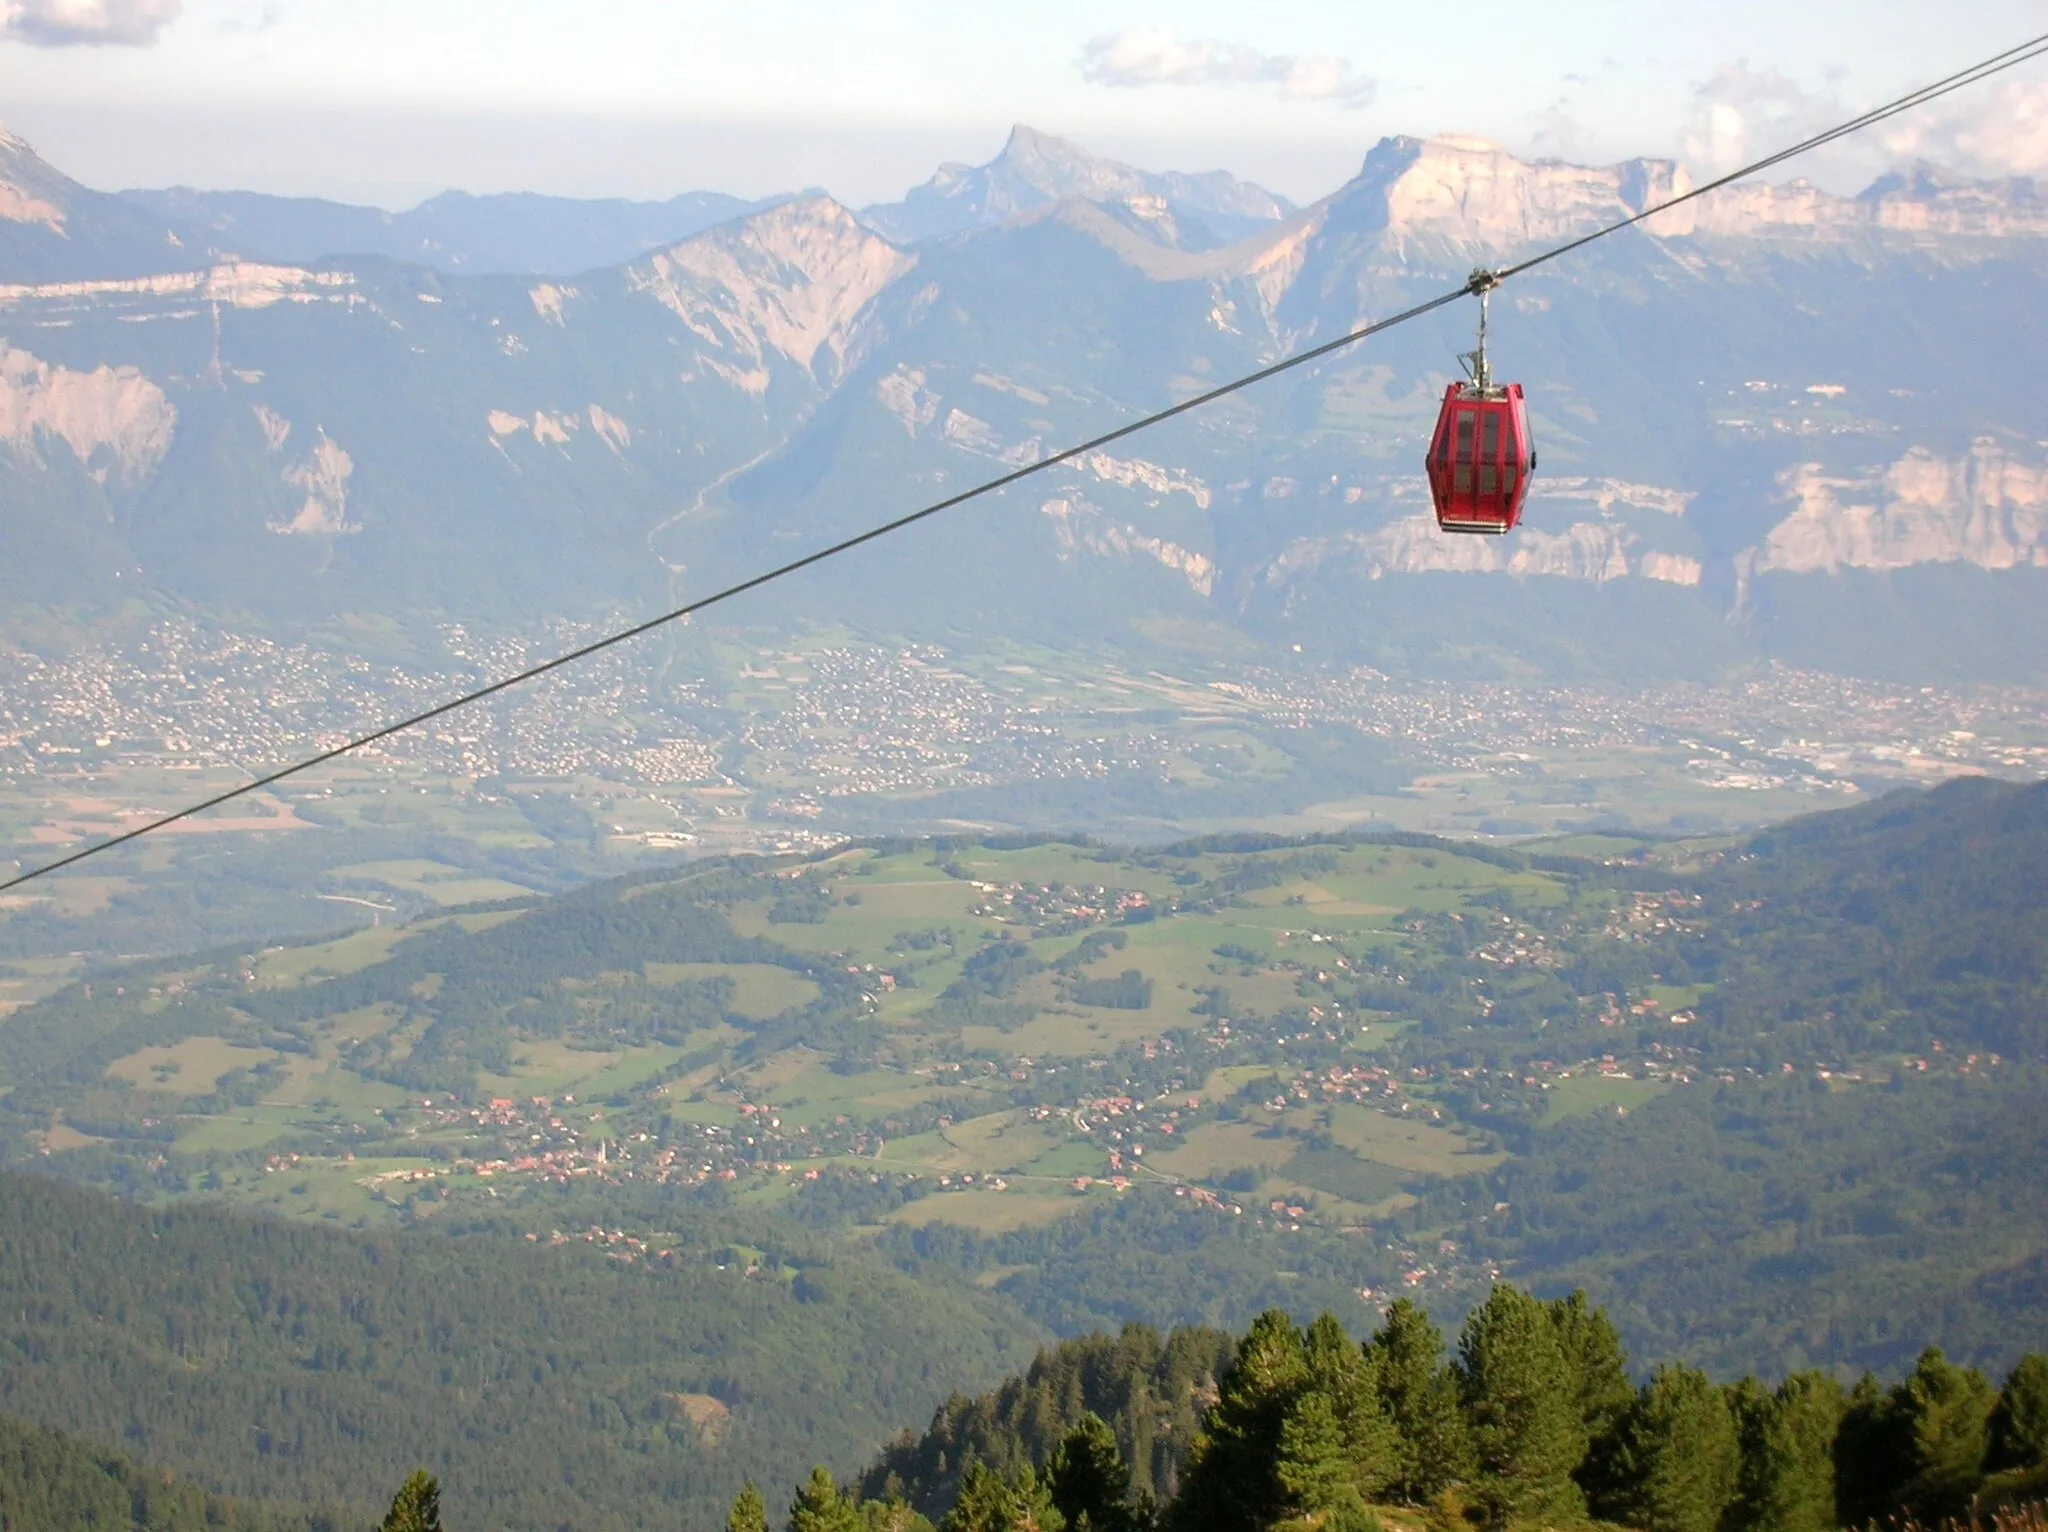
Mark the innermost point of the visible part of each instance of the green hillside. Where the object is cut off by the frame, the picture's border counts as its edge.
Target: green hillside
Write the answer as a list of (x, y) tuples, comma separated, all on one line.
[(547, 1383), (52, 1482), (1174, 1086), (1792, 1225)]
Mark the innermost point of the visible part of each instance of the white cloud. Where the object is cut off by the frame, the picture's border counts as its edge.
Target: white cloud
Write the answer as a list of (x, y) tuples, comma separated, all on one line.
[(1139, 56), (63, 23), (1999, 132), (1742, 114)]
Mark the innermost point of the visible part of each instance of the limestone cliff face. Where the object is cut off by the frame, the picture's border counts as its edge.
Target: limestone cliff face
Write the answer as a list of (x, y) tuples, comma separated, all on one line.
[(1454, 195), (323, 474), (233, 284), (1576, 529), (792, 280), (1594, 551), (113, 420), (1080, 527), (1983, 508), (1986, 507), (1471, 191)]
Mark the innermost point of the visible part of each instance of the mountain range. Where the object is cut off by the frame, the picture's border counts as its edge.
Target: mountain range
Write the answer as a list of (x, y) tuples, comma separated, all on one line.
[(1773, 423)]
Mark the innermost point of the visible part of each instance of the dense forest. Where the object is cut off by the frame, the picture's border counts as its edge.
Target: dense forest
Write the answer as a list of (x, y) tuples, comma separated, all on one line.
[(1785, 1224), (1917, 920), (546, 1385), (53, 1482), (1533, 1419)]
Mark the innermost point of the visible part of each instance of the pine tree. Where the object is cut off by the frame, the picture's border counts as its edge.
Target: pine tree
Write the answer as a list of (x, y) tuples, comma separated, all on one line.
[(2019, 1426), (1032, 1508), (417, 1505), (1526, 1430), (991, 1503), (1944, 1415), (819, 1507), (1087, 1477), (983, 1504), (1675, 1461), (1229, 1485), (1314, 1468), (892, 1515), (1431, 1449), (1596, 1362), (1787, 1438), (1348, 1378), (1869, 1458), (749, 1513), (1752, 1408)]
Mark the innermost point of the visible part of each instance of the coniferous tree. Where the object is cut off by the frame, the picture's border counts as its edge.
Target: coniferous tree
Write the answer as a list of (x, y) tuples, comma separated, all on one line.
[(1346, 1376), (892, 1515), (1787, 1438), (1419, 1391), (983, 1504), (1869, 1462), (1314, 1467), (1751, 1407), (1675, 1461), (819, 1507), (1088, 1479), (1597, 1365), (1032, 1507), (749, 1512), (2019, 1426), (991, 1503), (1230, 1484), (417, 1505), (1944, 1426), (1527, 1434)]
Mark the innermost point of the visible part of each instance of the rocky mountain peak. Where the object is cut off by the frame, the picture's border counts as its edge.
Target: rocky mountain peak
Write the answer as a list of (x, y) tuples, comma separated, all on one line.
[(1035, 169), (790, 279), (52, 228), (31, 191)]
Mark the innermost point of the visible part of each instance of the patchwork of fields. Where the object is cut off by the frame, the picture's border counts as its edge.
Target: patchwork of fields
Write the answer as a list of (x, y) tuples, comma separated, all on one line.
[(1012, 1034)]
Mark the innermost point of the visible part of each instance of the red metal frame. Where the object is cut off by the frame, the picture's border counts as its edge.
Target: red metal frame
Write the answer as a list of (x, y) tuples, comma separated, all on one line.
[(1480, 460)]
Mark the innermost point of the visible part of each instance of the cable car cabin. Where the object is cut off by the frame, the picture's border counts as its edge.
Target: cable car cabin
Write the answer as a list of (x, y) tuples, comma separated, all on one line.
[(1480, 459)]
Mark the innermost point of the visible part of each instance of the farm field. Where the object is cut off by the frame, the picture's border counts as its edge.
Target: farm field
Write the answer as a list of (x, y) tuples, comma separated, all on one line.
[(1070, 1021), (1583, 1095)]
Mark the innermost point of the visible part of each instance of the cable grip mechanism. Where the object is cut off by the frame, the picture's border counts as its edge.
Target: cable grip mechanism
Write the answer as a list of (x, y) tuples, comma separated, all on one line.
[(1482, 282)]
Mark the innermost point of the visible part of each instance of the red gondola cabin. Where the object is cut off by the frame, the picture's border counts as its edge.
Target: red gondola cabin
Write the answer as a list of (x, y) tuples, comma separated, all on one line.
[(1480, 459)]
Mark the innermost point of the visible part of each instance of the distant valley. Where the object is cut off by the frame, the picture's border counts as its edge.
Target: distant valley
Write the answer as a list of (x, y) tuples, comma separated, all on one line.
[(256, 496)]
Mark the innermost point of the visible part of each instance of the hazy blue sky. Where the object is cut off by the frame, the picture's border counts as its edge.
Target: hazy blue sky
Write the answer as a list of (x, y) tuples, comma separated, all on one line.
[(389, 100)]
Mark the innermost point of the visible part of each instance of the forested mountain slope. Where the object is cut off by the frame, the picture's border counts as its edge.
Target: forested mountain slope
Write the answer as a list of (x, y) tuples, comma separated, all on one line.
[(53, 1482), (545, 1385), (1790, 1224), (1914, 922)]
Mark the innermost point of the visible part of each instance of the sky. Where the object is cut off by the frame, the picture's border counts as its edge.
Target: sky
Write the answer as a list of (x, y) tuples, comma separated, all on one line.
[(389, 101)]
